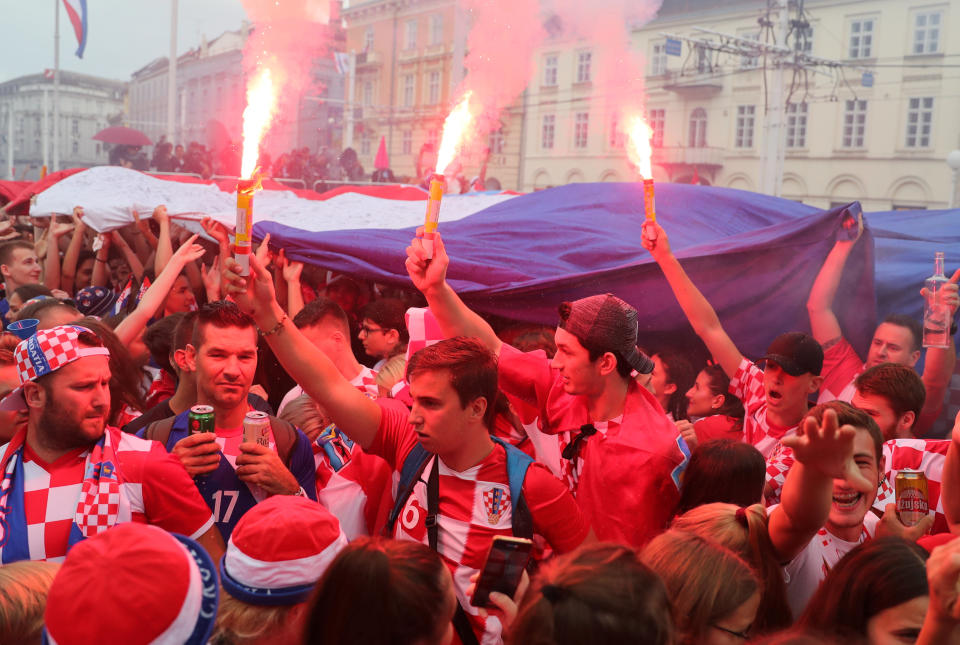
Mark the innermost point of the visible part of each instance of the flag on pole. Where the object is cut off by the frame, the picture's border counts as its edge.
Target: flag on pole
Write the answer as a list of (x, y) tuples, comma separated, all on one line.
[(77, 11), (342, 62)]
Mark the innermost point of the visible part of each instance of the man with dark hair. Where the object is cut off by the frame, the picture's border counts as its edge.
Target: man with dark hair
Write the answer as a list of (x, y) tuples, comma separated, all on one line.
[(827, 495), (67, 476), (50, 312), (893, 395), (185, 395), (898, 339), (627, 479), (384, 335), (19, 265), (458, 486), (325, 323), (232, 474)]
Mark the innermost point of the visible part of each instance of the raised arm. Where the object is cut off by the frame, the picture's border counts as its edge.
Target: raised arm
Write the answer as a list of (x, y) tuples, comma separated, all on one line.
[(938, 365), (430, 277), (351, 410), (164, 243), (101, 272), (701, 314), (68, 272), (823, 322), (136, 266), (823, 452), (51, 265), (128, 330)]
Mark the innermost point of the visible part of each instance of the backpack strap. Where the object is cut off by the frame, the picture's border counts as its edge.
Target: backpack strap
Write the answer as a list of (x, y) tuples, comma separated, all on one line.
[(160, 430), (518, 462), (410, 472)]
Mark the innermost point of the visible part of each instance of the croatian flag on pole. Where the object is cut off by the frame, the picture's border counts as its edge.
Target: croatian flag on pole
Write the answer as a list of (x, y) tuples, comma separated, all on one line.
[(77, 10)]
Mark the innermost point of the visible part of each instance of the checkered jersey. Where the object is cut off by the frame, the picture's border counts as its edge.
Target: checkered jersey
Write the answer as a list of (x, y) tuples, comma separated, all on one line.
[(915, 454), (365, 381), (570, 468), (841, 367), (153, 488), (805, 572), (474, 506), (747, 385)]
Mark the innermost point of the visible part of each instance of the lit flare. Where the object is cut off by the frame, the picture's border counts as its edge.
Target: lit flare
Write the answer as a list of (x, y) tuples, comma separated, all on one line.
[(639, 148), (261, 106)]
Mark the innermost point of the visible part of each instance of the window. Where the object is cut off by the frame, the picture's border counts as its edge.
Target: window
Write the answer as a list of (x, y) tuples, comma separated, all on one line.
[(75, 127), (854, 123), (698, 129), (368, 39), (406, 142), (704, 65), (861, 38), (658, 59), (919, 122), (432, 137), (76, 147), (581, 125), (368, 92), (797, 125), (496, 142), (656, 123), (583, 67), (411, 39), (548, 131), (926, 32), (618, 137), (433, 88), (436, 29), (745, 118), (408, 89), (749, 62), (365, 144), (550, 71)]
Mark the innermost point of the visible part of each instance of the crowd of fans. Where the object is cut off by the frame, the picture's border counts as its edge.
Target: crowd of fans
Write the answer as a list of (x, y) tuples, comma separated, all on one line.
[(668, 500)]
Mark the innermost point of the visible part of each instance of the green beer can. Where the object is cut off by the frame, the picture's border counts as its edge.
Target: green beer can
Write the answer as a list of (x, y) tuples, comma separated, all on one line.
[(200, 419)]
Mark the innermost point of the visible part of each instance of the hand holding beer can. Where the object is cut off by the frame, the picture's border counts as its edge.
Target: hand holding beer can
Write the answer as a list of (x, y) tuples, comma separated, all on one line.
[(912, 501), (256, 428)]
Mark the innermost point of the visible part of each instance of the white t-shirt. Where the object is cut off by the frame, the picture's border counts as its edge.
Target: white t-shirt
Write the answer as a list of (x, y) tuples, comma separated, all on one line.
[(805, 572)]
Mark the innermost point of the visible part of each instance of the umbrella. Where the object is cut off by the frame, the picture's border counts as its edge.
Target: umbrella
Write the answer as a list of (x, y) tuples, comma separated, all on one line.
[(381, 162), (124, 136)]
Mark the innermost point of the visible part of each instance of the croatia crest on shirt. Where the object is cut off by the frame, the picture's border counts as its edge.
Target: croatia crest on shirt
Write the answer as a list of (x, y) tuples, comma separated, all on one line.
[(495, 501)]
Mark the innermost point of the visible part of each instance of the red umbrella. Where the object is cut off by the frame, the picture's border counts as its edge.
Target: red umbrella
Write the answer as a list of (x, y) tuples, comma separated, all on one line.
[(124, 136), (381, 162)]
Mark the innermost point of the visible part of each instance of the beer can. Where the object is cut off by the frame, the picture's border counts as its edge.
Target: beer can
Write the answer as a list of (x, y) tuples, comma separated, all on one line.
[(201, 419), (256, 428), (912, 501)]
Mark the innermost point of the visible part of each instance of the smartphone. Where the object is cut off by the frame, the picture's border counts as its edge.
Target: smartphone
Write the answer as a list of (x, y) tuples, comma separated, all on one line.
[(506, 560)]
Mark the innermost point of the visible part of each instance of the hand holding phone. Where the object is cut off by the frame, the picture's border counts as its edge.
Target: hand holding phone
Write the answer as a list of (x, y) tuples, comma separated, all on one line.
[(506, 562)]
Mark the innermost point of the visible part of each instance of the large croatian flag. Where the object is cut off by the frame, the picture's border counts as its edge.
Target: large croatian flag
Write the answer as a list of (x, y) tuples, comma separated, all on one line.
[(77, 11)]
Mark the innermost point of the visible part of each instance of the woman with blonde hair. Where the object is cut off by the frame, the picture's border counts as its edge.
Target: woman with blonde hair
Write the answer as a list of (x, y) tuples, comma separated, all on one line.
[(714, 592), (23, 599), (744, 531)]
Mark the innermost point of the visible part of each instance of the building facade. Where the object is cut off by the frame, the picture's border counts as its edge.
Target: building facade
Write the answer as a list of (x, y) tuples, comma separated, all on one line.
[(872, 116), (87, 105), (408, 62)]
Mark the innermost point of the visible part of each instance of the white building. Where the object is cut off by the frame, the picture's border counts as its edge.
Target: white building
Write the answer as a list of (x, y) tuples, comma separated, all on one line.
[(877, 127), (87, 105)]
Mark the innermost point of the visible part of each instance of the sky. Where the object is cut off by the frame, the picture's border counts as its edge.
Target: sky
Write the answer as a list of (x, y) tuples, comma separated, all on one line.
[(123, 35)]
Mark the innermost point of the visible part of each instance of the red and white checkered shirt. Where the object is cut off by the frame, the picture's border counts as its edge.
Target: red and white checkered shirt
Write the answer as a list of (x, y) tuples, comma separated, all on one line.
[(841, 367), (747, 385), (365, 381), (475, 506), (153, 488), (925, 455)]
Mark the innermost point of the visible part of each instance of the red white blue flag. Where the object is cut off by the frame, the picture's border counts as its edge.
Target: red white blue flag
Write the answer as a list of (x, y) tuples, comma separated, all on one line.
[(77, 11)]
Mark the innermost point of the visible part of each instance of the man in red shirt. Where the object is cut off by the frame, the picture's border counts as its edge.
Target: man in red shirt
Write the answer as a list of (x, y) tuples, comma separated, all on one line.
[(67, 476), (626, 478), (453, 385)]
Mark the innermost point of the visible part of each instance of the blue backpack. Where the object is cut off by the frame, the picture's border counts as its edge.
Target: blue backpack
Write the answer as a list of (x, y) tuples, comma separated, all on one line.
[(517, 464)]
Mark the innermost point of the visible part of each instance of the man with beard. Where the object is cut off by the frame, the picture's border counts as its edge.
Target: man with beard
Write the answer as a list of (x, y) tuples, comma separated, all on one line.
[(233, 475), (67, 476)]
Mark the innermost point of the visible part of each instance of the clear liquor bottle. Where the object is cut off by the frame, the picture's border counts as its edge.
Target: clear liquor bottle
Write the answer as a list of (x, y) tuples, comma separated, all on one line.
[(936, 313)]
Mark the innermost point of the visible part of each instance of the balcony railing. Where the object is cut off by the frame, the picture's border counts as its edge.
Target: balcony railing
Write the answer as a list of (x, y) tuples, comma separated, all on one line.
[(686, 156), (692, 81)]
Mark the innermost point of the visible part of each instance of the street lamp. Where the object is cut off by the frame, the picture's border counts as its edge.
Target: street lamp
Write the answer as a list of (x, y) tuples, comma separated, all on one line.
[(953, 160)]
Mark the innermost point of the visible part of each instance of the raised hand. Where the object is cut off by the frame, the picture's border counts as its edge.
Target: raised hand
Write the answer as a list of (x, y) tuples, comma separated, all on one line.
[(291, 269), (160, 214), (828, 447), (189, 251), (427, 274), (254, 294), (655, 240), (211, 279), (950, 295), (263, 251), (216, 230)]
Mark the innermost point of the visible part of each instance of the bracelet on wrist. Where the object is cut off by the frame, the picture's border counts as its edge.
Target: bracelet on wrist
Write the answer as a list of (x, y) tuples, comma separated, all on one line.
[(276, 328)]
